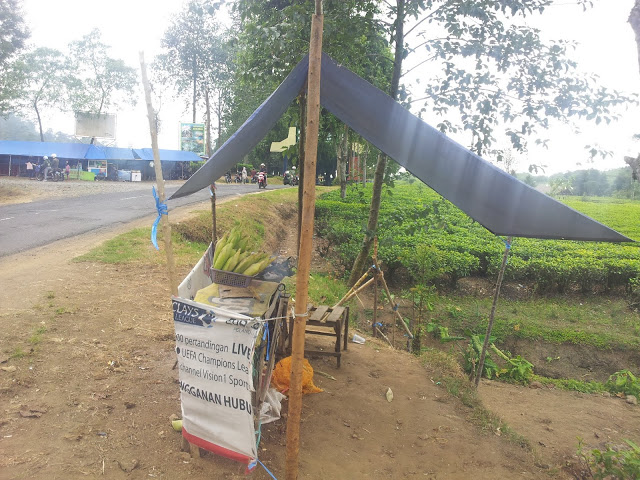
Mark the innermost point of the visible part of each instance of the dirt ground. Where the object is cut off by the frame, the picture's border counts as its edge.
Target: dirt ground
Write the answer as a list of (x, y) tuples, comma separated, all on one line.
[(87, 389)]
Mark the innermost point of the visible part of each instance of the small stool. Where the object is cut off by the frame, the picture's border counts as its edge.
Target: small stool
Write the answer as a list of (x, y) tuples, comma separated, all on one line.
[(323, 318)]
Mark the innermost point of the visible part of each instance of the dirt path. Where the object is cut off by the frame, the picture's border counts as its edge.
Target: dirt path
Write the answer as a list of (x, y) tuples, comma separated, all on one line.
[(90, 387)]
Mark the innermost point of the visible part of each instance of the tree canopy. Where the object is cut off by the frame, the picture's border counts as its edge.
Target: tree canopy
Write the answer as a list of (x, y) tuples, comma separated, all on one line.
[(100, 81), (13, 35)]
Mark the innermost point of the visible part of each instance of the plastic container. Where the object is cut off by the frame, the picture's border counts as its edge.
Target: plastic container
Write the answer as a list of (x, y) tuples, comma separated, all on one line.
[(357, 339)]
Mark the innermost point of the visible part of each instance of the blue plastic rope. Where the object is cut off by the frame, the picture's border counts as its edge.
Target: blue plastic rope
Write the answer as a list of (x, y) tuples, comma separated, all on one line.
[(267, 470), (162, 210), (508, 247), (267, 335)]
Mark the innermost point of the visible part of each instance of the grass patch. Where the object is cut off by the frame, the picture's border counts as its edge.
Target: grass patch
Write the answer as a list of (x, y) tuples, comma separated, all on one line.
[(36, 336), (324, 289), (257, 216), (18, 353), (595, 321), (571, 384)]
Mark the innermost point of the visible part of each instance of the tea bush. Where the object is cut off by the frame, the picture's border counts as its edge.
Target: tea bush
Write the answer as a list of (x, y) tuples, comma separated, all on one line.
[(416, 225)]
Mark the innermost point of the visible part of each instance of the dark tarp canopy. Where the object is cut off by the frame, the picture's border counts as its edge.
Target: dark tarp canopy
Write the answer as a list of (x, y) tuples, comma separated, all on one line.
[(501, 203)]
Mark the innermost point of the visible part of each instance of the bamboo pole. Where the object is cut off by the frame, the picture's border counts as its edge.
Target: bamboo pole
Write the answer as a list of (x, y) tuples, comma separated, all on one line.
[(214, 226), (354, 293), (306, 240), (395, 307), (166, 227), (355, 286), (376, 274), (496, 294)]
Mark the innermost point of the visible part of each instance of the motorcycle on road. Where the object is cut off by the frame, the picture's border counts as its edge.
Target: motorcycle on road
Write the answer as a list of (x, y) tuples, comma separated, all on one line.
[(262, 180)]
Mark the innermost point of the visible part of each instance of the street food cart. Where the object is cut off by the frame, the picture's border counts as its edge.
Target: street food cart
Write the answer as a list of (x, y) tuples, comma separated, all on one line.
[(226, 341)]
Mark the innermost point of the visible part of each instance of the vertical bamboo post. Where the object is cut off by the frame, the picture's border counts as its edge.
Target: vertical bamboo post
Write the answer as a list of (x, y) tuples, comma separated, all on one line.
[(496, 294), (306, 239), (303, 111), (166, 227), (375, 286), (214, 228)]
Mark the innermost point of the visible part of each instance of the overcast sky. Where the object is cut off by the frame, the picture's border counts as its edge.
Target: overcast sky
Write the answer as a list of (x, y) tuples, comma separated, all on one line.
[(607, 47)]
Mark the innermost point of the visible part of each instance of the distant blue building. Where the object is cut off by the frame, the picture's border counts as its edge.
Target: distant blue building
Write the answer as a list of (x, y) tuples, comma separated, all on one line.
[(94, 158)]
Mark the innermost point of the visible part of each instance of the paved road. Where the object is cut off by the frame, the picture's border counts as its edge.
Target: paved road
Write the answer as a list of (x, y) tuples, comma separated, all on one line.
[(29, 225)]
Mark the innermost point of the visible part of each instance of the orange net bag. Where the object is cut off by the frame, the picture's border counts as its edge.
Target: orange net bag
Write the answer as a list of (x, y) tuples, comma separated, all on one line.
[(282, 373)]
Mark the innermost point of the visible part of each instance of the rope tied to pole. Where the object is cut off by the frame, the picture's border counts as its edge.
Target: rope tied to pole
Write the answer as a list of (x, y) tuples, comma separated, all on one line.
[(162, 210)]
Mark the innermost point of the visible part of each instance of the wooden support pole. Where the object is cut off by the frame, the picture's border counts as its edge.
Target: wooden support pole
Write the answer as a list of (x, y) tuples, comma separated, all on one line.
[(164, 221), (214, 227), (355, 292), (496, 294), (376, 272), (348, 295), (306, 240), (395, 307)]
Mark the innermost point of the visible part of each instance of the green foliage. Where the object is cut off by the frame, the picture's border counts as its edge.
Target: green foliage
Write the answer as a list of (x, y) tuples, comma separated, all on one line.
[(46, 75), (437, 243), (613, 463), (99, 80), (472, 356), (324, 289), (14, 36), (517, 368), (623, 381), (571, 384), (36, 336)]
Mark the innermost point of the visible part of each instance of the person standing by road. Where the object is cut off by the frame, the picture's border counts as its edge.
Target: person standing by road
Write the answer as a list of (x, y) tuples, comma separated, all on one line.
[(67, 169), (29, 169), (244, 175), (47, 167)]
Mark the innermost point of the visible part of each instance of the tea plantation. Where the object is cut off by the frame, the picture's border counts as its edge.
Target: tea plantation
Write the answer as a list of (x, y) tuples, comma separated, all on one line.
[(435, 242)]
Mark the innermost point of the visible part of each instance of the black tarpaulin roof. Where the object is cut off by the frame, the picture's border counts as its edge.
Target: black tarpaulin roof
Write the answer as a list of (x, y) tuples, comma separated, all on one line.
[(500, 202)]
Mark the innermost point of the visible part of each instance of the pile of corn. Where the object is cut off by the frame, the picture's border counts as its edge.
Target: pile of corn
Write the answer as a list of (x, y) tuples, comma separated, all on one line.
[(231, 255)]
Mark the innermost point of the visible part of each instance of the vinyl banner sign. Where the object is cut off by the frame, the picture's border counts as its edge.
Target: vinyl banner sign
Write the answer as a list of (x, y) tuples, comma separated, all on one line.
[(215, 350), (192, 138)]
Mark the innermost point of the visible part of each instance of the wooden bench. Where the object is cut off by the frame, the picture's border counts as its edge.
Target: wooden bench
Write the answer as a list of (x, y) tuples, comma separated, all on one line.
[(324, 320)]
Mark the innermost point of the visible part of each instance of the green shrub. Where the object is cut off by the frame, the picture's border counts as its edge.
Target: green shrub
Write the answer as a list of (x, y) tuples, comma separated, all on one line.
[(623, 381), (613, 463), (436, 242)]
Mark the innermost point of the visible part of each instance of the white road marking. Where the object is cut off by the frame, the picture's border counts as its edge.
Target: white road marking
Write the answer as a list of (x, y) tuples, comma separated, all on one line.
[(129, 198), (7, 218)]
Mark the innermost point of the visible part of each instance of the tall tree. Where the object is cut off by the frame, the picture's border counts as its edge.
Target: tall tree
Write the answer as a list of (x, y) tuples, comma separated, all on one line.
[(13, 35), (491, 74), (196, 58), (100, 81), (274, 36), (634, 20), (46, 73)]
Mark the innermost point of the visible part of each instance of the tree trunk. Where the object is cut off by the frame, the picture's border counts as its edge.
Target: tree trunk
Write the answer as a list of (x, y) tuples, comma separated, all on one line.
[(378, 177), (343, 157), (363, 164), (194, 89), (219, 110), (372, 224), (35, 105), (634, 20), (208, 117)]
